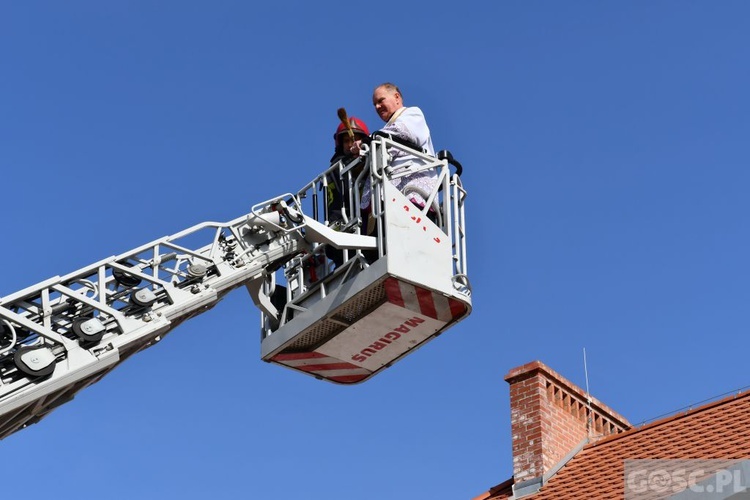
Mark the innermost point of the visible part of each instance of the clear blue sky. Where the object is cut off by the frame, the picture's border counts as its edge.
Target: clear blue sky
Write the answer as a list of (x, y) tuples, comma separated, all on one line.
[(605, 147)]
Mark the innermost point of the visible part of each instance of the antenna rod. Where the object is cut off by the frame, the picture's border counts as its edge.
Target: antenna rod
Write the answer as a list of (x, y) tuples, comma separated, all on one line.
[(588, 393)]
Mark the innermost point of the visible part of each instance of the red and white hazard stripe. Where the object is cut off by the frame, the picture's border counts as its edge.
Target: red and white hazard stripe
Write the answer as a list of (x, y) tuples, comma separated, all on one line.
[(325, 366), (420, 300), (398, 293)]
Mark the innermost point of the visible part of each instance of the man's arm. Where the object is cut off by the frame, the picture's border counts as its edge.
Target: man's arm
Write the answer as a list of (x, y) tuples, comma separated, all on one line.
[(411, 125)]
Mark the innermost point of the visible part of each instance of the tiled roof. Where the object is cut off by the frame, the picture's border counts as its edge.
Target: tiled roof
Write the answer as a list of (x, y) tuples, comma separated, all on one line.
[(719, 430)]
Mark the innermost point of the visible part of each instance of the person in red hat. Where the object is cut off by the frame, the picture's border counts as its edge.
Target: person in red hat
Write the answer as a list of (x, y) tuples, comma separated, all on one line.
[(347, 145), (346, 151)]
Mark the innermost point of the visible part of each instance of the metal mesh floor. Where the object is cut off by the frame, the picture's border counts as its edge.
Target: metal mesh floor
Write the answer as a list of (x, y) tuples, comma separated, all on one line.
[(347, 314)]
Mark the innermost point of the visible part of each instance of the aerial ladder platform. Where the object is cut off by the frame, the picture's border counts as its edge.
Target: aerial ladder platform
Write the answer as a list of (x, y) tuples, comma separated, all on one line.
[(401, 280)]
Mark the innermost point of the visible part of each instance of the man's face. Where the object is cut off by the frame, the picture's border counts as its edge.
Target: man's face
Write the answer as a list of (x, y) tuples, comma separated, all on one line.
[(386, 102)]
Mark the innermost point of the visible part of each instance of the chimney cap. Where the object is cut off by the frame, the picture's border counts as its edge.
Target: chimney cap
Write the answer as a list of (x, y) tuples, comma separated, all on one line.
[(533, 367)]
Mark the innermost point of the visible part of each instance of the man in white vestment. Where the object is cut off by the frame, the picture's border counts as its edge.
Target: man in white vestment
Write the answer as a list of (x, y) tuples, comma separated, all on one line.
[(406, 123)]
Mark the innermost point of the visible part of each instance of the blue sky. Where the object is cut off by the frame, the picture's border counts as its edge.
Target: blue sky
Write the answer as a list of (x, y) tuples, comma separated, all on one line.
[(605, 154)]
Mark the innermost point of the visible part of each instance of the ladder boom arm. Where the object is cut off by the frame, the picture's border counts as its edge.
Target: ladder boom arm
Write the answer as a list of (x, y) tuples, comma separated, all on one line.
[(66, 333)]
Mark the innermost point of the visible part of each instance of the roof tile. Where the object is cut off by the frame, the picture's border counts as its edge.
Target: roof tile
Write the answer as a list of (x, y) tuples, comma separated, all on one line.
[(717, 430)]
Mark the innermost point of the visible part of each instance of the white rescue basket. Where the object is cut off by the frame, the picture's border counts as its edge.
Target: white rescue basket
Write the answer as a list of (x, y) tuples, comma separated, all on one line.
[(373, 310)]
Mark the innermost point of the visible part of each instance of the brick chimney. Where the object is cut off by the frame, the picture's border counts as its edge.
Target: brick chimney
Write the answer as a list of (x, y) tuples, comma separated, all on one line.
[(550, 418)]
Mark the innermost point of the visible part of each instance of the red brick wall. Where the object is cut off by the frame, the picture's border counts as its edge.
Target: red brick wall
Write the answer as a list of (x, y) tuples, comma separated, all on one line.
[(549, 419)]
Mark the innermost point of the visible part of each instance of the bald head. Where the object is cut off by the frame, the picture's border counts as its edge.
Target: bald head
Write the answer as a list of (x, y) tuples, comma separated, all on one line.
[(390, 87)]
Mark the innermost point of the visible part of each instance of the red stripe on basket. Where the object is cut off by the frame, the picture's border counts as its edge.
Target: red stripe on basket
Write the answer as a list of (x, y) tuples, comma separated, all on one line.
[(328, 366), (458, 309), (426, 304), (348, 378), (393, 292)]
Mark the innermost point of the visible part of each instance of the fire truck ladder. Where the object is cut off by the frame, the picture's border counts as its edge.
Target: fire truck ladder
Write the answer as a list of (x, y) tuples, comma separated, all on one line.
[(390, 295)]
